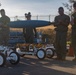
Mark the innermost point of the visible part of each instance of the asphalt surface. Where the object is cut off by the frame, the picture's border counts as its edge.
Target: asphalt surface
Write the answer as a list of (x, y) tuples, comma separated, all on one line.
[(30, 65)]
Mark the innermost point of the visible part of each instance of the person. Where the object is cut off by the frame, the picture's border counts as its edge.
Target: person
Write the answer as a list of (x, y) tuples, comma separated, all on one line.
[(28, 16), (4, 28), (73, 23), (61, 23), (29, 31)]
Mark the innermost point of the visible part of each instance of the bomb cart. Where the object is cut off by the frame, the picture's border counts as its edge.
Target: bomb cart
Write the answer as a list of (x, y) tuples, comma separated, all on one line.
[(38, 48)]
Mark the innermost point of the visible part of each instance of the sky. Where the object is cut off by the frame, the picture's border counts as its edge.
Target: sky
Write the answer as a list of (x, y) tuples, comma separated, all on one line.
[(36, 7)]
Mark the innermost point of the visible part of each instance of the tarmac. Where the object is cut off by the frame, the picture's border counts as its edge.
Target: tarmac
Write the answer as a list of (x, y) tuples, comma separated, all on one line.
[(31, 65)]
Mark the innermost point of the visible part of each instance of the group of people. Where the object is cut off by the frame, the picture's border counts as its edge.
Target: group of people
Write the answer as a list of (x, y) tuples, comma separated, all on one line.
[(61, 23)]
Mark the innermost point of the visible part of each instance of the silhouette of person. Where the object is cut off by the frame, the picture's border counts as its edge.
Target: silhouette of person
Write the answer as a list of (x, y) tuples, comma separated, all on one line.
[(61, 23), (73, 22), (4, 28), (29, 31)]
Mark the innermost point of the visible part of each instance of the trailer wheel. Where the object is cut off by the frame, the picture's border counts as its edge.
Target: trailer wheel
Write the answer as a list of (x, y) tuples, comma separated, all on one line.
[(50, 52), (41, 54), (15, 58), (2, 59)]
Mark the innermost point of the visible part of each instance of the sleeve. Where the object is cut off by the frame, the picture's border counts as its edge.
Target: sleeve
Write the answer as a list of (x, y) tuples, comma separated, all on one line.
[(8, 20), (56, 23), (72, 20), (67, 22)]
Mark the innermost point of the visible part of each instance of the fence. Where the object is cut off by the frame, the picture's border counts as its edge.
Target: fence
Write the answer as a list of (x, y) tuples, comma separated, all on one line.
[(36, 17)]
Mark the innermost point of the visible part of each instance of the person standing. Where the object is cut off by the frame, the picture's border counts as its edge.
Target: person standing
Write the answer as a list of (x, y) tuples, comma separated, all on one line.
[(4, 28), (61, 23), (73, 22), (29, 31)]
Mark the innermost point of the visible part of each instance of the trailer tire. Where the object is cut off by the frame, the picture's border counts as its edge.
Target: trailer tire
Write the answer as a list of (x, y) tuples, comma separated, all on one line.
[(50, 52), (41, 54), (2, 59), (16, 58)]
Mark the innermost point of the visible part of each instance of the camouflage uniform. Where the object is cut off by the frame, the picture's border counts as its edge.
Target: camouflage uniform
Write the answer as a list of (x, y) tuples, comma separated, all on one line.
[(61, 35), (74, 33), (29, 34), (29, 31), (4, 30)]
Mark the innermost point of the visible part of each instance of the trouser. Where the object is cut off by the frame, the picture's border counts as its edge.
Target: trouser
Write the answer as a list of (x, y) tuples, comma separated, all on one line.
[(74, 41), (29, 38), (4, 36), (60, 44)]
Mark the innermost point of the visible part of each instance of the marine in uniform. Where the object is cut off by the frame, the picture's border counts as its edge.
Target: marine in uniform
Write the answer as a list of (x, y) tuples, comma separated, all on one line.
[(61, 23), (4, 28)]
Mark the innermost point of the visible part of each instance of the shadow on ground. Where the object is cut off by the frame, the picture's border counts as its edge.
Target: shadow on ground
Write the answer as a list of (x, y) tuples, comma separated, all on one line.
[(33, 66)]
